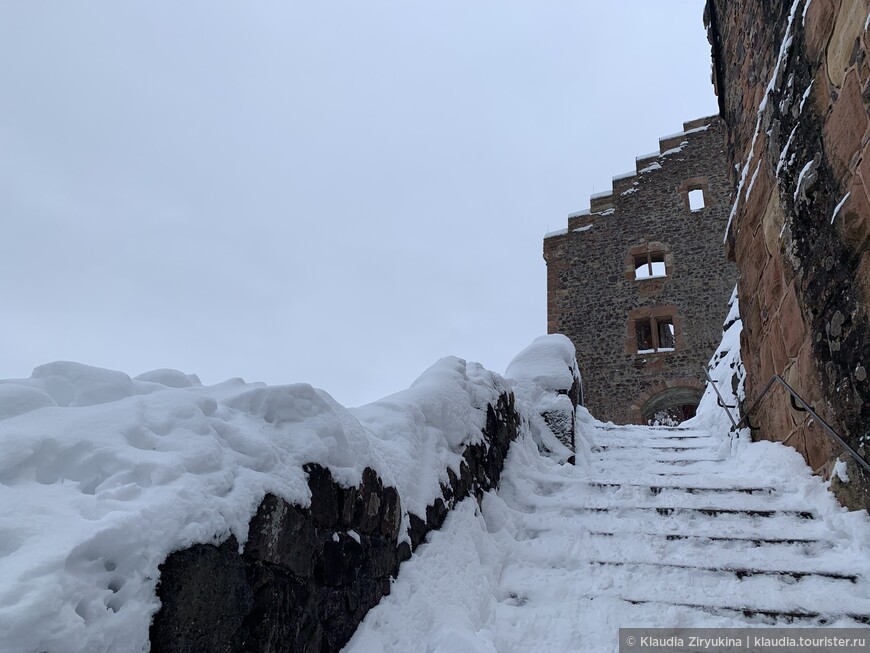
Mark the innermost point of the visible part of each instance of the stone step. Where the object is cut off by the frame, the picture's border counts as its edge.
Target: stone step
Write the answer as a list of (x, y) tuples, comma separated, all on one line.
[(753, 541), (764, 616), (772, 555), (811, 594), (644, 447), (709, 511), (738, 572), (764, 525), (660, 458), (688, 489)]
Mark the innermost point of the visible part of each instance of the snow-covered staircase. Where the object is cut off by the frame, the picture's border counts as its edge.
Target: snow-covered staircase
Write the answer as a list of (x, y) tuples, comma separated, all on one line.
[(663, 530), (665, 527)]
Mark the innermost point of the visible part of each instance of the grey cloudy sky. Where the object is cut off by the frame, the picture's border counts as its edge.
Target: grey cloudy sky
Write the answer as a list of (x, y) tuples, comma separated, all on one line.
[(335, 192)]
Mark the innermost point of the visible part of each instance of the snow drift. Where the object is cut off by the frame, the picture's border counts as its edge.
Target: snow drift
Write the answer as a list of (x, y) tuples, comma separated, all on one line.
[(103, 475)]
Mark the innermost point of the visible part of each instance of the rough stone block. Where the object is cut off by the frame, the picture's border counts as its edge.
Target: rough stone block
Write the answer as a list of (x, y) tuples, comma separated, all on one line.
[(752, 258), (819, 24), (846, 125), (848, 27), (772, 287), (772, 222), (853, 220), (794, 331), (818, 446), (755, 204)]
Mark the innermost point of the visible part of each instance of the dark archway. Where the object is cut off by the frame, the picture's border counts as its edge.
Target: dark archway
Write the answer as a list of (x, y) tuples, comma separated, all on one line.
[(671, 405)]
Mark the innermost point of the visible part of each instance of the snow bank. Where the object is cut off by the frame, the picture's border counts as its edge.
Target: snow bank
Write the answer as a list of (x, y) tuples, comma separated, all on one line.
[(102, 476), (726, 369)]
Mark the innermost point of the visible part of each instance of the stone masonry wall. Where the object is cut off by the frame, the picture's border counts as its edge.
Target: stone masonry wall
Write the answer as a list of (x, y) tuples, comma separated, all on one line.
[(594, 299), (307, 576), (793, 82)]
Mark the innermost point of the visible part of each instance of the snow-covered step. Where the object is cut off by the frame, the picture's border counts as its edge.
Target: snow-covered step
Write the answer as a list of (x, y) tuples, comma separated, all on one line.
[(751, 615), (649, 535), (715, 588), (655, 446), (688, 489), (755, 505), (698, 468), (680, 458), (625, 522), (572, 548), (781, 571), (771, 555)]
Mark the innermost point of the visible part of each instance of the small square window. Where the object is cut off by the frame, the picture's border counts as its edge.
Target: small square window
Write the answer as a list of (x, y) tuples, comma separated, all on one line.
[(696, 200), (649, 265)]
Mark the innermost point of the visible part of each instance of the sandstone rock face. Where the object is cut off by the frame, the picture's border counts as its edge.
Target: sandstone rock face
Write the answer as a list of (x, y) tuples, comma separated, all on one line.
[(597, 297), (306, 577), (801, 237)]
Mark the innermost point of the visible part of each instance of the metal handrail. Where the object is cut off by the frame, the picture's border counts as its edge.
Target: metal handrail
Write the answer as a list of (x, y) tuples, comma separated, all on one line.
[(794, 397), (720, 400)]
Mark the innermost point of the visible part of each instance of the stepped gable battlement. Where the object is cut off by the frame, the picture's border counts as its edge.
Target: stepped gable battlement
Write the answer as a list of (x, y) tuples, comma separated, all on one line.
[(606, 202)]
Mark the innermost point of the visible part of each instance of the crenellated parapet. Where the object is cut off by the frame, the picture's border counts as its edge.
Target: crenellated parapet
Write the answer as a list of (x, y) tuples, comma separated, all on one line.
[(607, 203)]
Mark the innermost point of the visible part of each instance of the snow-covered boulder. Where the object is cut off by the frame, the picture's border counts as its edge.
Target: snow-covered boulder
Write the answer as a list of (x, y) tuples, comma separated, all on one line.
[(547, 380)]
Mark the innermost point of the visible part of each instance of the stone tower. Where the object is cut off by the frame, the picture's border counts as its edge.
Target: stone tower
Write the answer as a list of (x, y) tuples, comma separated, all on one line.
[(640, 283)]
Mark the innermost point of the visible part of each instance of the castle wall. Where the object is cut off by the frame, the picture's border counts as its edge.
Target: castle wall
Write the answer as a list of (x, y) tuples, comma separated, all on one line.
[(594, 298), (793, 82)]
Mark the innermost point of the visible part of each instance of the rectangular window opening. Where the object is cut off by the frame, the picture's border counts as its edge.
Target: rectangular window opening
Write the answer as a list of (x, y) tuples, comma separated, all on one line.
[(643, 329), (649, 265), (696, 200), (667, 341), (655, 335)]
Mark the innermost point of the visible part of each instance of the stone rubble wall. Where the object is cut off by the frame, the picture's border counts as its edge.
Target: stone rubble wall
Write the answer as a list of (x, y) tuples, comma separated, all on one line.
[(307, 576), (800, 230), (593, 296)]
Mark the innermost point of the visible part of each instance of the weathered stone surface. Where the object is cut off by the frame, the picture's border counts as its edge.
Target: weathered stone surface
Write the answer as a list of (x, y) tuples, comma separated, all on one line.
[(819, 23), (202, 610), (806, 307), (307, 576), (848, 26), (845, 126)]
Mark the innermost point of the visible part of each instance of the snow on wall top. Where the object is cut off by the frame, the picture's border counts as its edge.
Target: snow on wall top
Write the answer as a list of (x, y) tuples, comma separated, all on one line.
[(558, 232), (102, 476), (550, 361), (642, 164)]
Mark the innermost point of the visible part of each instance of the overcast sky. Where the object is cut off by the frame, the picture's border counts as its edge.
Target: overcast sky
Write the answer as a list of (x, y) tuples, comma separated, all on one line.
[(337, 193)]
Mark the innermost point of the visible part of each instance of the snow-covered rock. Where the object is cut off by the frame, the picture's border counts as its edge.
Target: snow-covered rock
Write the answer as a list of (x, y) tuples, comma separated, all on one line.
[(547, 381)]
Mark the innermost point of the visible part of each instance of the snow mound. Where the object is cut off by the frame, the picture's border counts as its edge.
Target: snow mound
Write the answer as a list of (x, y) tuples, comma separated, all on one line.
[(17, 399), (550, 361), (169, 378), (102, 476), (74, 384)]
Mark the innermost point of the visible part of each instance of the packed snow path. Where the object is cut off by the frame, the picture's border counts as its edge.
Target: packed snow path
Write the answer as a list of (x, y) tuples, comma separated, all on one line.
[(663, 529)]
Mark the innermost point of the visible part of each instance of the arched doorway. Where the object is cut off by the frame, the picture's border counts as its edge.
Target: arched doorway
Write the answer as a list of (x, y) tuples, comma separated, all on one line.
[(668, 403)]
